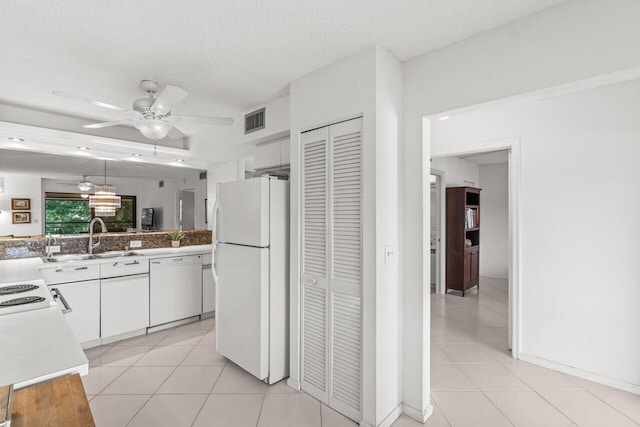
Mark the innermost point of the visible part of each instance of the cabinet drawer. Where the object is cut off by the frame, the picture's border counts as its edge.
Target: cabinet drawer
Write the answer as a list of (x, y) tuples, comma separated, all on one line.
[(125, 267), (70, 273)]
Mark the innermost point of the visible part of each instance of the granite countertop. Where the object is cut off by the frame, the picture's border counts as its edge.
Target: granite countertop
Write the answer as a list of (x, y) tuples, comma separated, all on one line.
[(139, 254)]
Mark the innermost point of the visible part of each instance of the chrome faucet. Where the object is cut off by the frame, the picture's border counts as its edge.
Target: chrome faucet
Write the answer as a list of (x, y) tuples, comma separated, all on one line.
[(104, 230)]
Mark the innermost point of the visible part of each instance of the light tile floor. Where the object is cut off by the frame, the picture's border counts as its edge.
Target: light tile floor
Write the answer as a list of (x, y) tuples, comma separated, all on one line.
[(475, 382), (175, 378)]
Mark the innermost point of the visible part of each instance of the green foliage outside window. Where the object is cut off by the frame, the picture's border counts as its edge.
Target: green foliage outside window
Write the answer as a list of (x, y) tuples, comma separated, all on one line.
[(71, 214)]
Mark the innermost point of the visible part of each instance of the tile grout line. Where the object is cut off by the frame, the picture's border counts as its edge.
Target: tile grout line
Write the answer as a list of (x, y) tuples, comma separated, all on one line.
[(208, 394), (139, 409), (165, 380), (557, 408), (152, 347), (611, 406), (264, 396)]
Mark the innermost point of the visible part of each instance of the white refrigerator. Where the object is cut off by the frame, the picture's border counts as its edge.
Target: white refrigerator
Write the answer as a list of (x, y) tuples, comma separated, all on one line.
[(252, 276)]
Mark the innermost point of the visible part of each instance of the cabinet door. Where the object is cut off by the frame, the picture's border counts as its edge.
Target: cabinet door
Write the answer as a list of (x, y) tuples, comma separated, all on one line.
[(475, 267), (468, 261), (124, 304), (84, 300), (208, 290)]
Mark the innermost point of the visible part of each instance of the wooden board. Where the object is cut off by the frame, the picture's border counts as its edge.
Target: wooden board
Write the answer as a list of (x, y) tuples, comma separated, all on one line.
[(5, 393), (59, 402)]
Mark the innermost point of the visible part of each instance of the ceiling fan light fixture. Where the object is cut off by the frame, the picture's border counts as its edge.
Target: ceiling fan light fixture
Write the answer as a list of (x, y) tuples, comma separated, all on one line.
[(85, 186), (153, 128)]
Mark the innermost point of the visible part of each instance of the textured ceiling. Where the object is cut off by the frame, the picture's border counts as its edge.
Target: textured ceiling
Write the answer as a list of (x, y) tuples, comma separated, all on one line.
[(229, 54)]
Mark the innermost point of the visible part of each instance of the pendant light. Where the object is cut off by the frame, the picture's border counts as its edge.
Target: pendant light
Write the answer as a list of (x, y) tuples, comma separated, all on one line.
[(105, 201)]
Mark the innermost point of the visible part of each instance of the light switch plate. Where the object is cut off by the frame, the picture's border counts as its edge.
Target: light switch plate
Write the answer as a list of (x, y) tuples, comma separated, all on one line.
[(390, 253), (135, 243)]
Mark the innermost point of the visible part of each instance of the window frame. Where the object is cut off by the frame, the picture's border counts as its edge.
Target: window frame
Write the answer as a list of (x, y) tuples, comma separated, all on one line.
[(54, 195)]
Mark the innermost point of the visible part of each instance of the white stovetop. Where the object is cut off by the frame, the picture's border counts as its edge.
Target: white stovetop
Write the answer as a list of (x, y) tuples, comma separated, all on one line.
[(35, 345)]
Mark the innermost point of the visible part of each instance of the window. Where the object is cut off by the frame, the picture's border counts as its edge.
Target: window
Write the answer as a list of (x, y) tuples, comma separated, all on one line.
[(69, 213)]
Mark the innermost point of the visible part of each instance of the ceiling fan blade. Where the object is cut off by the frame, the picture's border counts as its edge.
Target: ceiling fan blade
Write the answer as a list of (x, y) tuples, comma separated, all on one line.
[(168, 97), (189, 125), (107, 124), (87, 100)]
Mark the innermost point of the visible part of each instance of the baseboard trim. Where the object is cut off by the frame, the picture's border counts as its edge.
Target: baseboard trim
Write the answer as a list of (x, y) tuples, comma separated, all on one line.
[(392, 417), (415, 414), (293, 384), (587, 375)]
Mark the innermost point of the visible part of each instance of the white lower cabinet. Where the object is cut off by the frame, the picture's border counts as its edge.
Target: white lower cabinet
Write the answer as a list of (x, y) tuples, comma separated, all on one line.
[(124, 304), (84, 300)]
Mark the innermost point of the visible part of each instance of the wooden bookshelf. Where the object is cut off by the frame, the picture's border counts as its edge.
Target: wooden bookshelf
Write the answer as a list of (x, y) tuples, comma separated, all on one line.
[(463, 238)]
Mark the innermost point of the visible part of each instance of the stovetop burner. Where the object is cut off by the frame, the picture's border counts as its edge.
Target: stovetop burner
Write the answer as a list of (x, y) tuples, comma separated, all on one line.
[(16, 289), (21, 301)]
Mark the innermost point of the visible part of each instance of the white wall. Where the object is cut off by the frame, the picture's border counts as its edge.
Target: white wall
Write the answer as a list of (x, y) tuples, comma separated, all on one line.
[(388, 299), (367, 84), (458, 172), (494, 232), (579, 257), (570, 42), (20, 186)]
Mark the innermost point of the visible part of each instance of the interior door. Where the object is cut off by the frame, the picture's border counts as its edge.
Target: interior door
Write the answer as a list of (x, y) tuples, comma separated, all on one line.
[(331, 265), (345, 144), (315, 289)]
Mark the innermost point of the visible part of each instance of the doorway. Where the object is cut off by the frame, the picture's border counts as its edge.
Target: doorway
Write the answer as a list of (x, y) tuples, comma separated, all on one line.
[(436, 238), (186, 209), (511, 149)]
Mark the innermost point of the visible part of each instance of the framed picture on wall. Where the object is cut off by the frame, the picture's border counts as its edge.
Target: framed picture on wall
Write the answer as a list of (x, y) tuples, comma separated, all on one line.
[(20, 204), (22, 217)]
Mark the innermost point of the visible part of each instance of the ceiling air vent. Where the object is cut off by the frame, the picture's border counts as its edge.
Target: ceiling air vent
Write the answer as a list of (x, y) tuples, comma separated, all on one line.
[(203, 175), (161, 184), (254, 121)]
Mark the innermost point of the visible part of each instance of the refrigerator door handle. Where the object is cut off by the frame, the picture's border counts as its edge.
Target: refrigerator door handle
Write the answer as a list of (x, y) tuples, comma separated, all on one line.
[(214, 221)]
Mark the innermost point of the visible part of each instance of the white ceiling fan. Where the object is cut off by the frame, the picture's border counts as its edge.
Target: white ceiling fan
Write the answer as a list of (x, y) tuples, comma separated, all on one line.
[(83, 185), (153, 115)]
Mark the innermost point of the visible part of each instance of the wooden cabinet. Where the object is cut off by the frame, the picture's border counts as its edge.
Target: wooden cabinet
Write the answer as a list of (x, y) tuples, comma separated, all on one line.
[(463, 238)]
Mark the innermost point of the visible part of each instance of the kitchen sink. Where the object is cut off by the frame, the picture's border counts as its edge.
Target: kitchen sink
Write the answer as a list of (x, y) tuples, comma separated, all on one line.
[(69, 258), (115, 254), (84, 257)]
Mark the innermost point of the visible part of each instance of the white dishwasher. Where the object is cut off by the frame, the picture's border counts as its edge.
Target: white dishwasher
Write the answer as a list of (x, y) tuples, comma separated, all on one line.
[(175, 288)]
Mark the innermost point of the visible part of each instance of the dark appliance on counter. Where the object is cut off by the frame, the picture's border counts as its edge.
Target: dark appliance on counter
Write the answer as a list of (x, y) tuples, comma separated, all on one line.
[(147, 220)]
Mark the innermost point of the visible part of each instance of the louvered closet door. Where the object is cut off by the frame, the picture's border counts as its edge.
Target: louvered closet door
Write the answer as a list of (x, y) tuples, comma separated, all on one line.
[(345, 279), (332, 265), (315, 269)]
